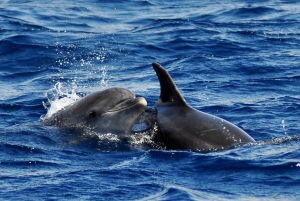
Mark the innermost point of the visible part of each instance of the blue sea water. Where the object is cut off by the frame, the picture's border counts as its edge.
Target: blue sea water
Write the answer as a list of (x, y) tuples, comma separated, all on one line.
[(235, 59)]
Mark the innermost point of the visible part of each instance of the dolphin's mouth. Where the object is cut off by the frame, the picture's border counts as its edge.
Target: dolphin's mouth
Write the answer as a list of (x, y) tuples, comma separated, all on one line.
[(128, 103)]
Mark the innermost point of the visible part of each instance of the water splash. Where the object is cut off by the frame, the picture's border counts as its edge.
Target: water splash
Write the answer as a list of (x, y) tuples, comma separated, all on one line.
[(146, 138), (284, 127), (81, 65), (105, 77), (77, 65), (58, 98)]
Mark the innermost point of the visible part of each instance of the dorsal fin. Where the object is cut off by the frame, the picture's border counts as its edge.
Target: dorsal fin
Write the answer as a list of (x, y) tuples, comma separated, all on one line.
[(169, 92)]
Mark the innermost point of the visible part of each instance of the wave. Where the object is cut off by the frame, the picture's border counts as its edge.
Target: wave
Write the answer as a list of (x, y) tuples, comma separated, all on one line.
[(170, 192), (10, 44), (250, 12)]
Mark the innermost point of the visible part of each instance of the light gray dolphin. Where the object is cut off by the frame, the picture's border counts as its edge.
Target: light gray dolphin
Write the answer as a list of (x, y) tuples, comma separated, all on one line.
[(182, 127), (113, 110)]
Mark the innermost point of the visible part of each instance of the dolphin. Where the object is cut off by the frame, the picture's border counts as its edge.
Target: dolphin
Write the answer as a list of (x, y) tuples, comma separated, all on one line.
[(114, 110), (183, 127)]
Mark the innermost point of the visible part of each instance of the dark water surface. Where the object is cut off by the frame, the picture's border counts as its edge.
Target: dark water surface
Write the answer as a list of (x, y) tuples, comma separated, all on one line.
[(238, 60)]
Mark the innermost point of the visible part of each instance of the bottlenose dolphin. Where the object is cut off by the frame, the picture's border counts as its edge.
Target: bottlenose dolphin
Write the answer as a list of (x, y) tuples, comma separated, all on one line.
[(183, 127), (113, 110)]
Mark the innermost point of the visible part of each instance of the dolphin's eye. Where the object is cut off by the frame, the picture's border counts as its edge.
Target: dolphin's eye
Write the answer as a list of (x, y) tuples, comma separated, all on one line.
[(92, 114)]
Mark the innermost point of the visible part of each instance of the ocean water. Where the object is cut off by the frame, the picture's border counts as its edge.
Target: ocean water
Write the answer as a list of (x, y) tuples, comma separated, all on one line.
[(238, 60)]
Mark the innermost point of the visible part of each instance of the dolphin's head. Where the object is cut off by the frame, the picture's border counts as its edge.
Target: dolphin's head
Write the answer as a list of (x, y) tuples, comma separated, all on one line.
[(113, 110)]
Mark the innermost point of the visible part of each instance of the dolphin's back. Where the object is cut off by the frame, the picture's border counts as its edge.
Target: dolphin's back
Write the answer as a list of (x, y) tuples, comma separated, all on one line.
[(182, 127)]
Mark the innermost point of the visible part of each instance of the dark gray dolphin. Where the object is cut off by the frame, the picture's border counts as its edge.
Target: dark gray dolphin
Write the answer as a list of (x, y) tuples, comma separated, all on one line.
[(182, 127), (113, 110)]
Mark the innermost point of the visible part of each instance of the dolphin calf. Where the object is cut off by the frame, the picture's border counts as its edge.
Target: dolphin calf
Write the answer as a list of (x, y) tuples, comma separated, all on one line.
[(183, 127), (113, 110)]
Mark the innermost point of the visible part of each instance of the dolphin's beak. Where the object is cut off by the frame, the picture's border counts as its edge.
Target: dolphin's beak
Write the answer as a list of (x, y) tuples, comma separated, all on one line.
[(129, 103)]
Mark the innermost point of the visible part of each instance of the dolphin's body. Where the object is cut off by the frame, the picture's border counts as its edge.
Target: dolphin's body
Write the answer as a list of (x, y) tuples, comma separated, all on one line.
[(113, 110), (182, 127)]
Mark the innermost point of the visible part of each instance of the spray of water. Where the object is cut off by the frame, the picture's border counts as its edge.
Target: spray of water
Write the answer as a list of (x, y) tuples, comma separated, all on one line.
[(58, 98)]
